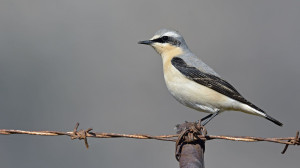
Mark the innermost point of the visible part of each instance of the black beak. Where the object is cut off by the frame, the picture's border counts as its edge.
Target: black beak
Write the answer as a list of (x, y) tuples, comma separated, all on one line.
[(146, 42)]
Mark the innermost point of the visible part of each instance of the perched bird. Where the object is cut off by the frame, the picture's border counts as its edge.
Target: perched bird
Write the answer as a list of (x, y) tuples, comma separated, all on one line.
[(195, 84)]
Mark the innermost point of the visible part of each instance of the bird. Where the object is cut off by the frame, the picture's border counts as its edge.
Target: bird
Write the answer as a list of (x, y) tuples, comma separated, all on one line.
[(193, 83)]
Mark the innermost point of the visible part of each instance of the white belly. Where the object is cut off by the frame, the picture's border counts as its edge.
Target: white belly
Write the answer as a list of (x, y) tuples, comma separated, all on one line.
[(195, 95)]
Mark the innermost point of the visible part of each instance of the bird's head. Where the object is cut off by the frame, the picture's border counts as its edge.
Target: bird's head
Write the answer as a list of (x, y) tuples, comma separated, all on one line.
[(167, 42)]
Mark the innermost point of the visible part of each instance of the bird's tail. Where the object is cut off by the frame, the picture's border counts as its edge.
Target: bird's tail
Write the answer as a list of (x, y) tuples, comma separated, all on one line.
[(273, 120), (259, 112)]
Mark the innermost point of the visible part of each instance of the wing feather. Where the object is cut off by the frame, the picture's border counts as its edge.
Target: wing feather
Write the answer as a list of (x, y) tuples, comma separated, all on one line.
[(210, 81)]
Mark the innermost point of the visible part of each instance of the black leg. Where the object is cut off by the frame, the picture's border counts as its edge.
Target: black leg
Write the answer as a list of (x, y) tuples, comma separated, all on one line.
[(206, 117), (209, 117)]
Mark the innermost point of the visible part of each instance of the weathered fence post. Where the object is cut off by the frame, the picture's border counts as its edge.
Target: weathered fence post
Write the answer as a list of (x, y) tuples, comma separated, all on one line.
[(190, 148)]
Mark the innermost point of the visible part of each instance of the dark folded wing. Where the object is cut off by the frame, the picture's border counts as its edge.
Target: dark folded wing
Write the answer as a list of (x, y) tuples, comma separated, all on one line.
[(210, 81)]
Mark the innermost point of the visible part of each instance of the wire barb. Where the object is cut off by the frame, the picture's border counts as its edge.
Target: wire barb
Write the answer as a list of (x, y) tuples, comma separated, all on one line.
[(81, 134), (295, 141)]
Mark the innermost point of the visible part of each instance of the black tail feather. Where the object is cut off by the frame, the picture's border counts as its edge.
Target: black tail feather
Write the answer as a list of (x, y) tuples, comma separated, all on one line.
[(273, 120)]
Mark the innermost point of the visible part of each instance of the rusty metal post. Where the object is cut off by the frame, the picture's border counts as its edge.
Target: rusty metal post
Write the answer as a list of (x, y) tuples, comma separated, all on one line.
[(189, 148)]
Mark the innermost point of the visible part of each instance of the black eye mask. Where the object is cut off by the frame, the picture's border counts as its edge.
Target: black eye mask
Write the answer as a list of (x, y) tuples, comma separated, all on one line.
[(166, 39)]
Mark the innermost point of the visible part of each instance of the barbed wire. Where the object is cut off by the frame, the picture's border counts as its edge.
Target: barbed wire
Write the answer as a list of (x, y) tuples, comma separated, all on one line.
[(84, 134)]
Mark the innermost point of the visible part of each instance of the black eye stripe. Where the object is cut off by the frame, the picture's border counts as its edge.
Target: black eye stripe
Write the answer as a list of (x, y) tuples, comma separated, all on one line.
[(163, 39), (166, 39)]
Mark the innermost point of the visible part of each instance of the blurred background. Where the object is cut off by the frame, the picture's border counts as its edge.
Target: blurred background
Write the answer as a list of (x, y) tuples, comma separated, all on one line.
[(64, 61)]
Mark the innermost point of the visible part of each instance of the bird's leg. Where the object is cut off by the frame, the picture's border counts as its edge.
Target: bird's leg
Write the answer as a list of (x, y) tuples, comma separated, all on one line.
[(206, 117), (209, 117)]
